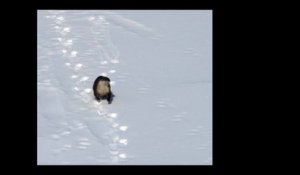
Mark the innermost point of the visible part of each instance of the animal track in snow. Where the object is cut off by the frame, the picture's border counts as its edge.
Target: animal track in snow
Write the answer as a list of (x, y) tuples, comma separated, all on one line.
[(73, 54), (103, 74), (88, 90), (78, 66), (68, 43), (84, 78), (115, 139), (66, 29), (112, 71), (114, 125), (76, 88), (57, 28), (60, 18), (74, 76), (103, 53), (104, 62), (123, 141), (100, 113), (68, 64), (112, 115), (123, 128), (91, 18), (123, 156)]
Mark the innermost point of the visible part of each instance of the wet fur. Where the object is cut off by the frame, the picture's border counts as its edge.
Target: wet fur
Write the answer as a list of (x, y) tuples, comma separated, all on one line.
[(102, 89)]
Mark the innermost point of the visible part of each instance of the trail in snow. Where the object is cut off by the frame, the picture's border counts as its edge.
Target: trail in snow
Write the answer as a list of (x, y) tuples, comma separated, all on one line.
[(99, 54), (161, 113)]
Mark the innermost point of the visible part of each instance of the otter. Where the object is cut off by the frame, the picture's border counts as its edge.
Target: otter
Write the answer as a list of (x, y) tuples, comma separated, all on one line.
[(102, 89)]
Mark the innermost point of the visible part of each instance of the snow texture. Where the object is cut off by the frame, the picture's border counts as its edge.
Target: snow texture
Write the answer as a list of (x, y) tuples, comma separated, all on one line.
[(160, 66)]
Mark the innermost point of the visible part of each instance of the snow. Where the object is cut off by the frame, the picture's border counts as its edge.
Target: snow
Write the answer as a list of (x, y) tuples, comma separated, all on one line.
[(160, 66)]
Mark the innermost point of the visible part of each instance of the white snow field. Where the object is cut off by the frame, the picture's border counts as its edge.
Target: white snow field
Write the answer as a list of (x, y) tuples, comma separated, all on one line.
[(160, 66)]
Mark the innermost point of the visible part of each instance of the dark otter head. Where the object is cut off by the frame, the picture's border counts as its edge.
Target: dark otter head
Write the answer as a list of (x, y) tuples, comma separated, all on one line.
[(103, 78), (101, 88)]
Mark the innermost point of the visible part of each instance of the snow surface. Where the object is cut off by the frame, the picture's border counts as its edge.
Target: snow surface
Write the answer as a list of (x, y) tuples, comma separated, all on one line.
[(160, 66)]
